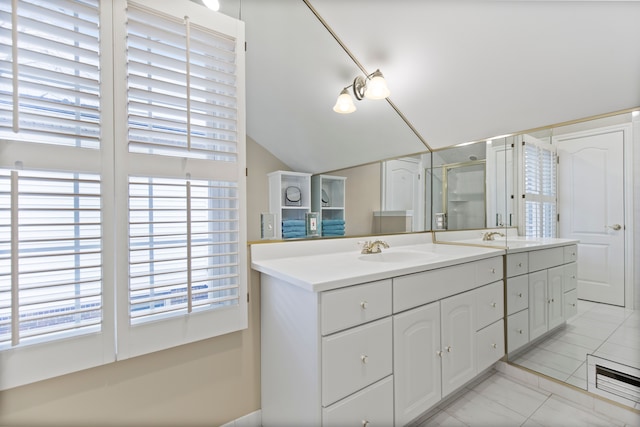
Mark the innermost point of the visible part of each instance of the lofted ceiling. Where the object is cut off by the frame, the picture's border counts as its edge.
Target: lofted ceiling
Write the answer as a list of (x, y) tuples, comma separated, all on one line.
[(458, 71)]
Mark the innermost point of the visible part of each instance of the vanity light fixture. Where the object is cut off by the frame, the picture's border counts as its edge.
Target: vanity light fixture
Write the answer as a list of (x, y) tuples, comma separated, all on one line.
[(373, 86)]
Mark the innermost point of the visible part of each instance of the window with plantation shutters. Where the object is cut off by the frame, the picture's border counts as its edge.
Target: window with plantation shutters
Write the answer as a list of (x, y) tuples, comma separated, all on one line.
[(122, 214), (183, 179), (540, 174)]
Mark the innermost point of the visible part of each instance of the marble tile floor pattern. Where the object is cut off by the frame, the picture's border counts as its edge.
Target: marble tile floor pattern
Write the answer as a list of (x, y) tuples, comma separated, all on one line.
[(606, 331), (510, 396)]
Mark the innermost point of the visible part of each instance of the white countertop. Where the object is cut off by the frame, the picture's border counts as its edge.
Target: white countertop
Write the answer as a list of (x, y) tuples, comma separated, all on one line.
[(512, 243), (329, 264)]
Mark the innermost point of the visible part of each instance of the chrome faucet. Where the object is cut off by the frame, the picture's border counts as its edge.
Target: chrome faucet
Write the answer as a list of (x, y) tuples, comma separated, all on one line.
[(489, 235), (374, 247)]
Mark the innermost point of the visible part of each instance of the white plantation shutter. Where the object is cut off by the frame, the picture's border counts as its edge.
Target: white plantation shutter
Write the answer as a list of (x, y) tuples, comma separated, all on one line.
[(183, 242), (53, 270), (182, 88), (50, 228), (50, 72), (540, 175), (184, 182)]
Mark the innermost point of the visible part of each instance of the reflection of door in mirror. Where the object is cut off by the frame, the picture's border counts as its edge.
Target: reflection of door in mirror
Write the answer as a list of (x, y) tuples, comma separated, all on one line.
[(500, 196), (464, 195), (403, 189), (592, 203)]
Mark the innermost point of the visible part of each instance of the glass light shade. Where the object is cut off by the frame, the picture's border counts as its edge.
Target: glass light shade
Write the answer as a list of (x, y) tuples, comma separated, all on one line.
[(344, 104), (377, 87), (212, 4)]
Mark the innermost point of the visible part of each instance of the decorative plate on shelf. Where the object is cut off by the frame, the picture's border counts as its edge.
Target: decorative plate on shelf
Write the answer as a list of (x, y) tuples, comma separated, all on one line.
[(292, 196)]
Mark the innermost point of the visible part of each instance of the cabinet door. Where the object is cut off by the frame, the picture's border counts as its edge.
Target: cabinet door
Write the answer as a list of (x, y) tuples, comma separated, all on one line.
[(416, 363), (555, 293), (458, 340), (538, 306)]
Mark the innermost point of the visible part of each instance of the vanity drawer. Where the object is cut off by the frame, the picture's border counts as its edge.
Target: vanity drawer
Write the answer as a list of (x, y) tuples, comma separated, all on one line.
[(570, 253), (371, 406), (355, 305), (490, 345), (570, 277), (355, 358), (489, 304), (517, 330), (546, 258), (517, 293), (417, 289), (517, 264), (570, 304), (488, 270)]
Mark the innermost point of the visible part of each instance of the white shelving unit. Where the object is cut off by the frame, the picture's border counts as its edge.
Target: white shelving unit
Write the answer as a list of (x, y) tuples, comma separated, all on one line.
[(279, 181), (332, 207)]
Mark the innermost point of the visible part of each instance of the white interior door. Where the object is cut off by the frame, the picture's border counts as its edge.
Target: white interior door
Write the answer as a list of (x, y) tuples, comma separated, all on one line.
[(591, 207), (403, 189)]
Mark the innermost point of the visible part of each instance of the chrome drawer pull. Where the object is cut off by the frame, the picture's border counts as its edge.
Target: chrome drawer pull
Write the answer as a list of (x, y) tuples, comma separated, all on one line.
[(364, 359), (365, 423), (493, 304), (520, 295), (364, 305), (520, 331), (494, 345)]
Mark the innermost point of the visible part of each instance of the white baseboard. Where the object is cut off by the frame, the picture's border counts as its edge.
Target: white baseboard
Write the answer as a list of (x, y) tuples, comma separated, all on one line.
[(253, 419)]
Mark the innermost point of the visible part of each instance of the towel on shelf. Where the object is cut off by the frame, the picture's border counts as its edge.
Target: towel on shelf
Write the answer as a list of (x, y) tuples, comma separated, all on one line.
[(332, 222), (293, 222), (293, 228), (333, 227), (293, 234)]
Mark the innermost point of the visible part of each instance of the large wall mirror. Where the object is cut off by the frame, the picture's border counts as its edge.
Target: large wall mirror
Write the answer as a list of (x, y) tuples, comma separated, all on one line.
[(594, 193)]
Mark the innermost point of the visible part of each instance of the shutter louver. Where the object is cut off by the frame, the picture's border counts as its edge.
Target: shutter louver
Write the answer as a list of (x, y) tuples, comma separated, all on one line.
[(50, 73)]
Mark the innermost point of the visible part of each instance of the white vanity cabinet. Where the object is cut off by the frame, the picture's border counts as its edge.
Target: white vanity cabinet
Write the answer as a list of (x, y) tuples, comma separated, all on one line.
[(440, 346), (540, 292), (377, 353)]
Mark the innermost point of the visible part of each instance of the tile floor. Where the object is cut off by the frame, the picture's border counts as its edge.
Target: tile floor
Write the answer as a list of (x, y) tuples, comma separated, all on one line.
[(513, 397), (606, 331)]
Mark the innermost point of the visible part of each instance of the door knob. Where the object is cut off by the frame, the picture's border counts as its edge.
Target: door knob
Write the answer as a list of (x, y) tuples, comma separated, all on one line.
[(615, 227)]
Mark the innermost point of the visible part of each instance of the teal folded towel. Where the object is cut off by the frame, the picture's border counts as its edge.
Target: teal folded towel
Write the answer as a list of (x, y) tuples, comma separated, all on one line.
[(292, 235), (293, 222), (294, 229), (332, 222), (333, 227), (332, 233)]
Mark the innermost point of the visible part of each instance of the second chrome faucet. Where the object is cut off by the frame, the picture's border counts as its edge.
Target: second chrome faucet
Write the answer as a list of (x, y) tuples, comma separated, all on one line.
[(373, 247)]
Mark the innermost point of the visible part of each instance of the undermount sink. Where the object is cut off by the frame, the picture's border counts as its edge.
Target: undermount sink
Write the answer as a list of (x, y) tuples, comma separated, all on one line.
[(401, 255)]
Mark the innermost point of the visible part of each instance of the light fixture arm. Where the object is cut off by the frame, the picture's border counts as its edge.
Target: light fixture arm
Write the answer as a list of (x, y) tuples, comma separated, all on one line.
[(359, 86)]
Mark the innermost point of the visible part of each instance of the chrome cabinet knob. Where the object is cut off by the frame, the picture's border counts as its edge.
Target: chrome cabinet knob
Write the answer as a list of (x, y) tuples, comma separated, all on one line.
[(493, 304), (364, 359), (520, 331), (519, 264), (494, 345), (493, 271), (439, 353), (364, 305), (519, 294), (365, 423), (448, 348)]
